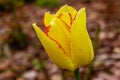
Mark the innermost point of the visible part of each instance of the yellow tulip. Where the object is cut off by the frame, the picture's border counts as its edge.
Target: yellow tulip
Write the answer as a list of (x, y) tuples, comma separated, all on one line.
[(66, 39)]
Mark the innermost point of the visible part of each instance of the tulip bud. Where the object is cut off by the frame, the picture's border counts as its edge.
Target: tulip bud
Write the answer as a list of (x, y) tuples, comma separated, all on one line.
[(66, 39)]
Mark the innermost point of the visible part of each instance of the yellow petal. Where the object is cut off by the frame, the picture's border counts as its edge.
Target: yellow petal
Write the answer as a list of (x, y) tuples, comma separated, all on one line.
[(47, 19), (66, 18), (67, 9), (81, 46), (58, 32), (53, 50)]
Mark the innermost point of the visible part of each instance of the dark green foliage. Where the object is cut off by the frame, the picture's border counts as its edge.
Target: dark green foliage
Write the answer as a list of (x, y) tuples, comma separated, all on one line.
[(47, 3), (29, 1), (17, 39), (10, 5)]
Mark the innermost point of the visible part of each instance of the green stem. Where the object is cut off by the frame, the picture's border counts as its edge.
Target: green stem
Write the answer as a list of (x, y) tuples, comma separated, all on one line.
[(77, 74), (63, 75)]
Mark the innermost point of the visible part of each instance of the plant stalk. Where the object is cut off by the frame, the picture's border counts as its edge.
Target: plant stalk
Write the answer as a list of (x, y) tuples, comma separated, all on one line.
[(77, 74)]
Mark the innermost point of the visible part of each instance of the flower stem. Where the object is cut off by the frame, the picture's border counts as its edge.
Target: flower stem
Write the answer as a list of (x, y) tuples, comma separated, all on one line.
[(77, 74)]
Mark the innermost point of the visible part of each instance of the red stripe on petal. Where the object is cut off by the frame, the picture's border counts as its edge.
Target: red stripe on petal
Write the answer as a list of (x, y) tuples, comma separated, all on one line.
[(47, 29), (63, 21), (71, 20), (60, 46)]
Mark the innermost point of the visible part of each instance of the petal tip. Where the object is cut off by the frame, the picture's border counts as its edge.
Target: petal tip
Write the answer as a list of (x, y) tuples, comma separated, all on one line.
[(33, 24), (65, 5), (83, 9), (47, 12), (35, 27)]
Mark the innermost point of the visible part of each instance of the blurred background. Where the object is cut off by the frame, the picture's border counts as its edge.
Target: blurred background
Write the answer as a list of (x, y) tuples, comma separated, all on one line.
[(22, 56)]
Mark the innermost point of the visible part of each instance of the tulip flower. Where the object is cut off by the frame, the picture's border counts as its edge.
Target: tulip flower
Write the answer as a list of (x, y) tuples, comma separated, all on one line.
[(66, 39)]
